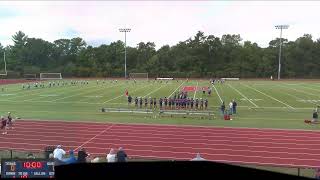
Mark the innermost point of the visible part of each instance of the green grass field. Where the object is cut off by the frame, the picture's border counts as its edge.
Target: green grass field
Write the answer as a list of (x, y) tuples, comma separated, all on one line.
[(261, 104)]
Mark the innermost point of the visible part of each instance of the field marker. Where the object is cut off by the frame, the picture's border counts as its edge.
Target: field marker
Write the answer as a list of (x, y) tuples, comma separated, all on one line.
[(195, 92), (217, 93), (243, 96), (87, 92), (268, 96), (123, 94), (94, 137), (177, 88)]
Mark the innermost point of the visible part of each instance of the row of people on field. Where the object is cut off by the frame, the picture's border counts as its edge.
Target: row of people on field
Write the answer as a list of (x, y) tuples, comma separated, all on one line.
[(169, 103)]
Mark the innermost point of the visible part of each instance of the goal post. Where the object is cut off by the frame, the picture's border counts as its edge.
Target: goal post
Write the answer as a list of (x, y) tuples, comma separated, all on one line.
[(50, 76), (138, 76)]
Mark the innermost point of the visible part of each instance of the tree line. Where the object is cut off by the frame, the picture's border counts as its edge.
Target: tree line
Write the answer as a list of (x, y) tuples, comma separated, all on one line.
[(199, 56)]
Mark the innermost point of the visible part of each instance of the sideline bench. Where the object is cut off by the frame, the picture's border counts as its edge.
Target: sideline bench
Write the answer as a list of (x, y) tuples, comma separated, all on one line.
[(143, 111), (187, 113)]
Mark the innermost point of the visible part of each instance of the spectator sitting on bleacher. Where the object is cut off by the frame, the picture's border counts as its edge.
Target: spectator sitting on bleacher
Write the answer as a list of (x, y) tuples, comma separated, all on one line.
[(82, 156), (58, 153), (111, 157), (121, 155)]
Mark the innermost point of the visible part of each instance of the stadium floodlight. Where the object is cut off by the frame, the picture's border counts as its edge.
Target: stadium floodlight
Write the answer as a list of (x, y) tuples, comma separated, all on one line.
[(280, 27), (125, 30), (5, 65)]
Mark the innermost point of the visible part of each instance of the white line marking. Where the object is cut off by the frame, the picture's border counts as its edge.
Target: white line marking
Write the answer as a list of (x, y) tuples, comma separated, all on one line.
[(92, 96), (177, 88), (299, 99), (167, 125), (123, 94), (195, 92), (217, 93), (311, 88), (268, 96), (94, 137), (243, 96), (7, 94), (48, 95), (153, 91), (87, 92), (301, 91)]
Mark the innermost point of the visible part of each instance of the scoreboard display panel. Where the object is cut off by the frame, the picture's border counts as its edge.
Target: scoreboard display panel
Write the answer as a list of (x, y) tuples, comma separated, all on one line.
[(27, 168)]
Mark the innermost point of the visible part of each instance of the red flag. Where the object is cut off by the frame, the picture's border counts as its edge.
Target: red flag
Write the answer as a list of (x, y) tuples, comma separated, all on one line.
[(127, 93)]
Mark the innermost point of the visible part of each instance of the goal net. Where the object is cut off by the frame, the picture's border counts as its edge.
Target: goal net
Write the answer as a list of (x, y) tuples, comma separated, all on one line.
[(44, 76), (138, 76), (30, 76)]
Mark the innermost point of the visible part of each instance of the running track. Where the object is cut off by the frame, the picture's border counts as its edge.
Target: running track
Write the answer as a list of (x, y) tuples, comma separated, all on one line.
[(296, 148)]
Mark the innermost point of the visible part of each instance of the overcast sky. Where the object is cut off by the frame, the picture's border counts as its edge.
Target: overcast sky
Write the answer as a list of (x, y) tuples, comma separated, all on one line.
[(165, 22)]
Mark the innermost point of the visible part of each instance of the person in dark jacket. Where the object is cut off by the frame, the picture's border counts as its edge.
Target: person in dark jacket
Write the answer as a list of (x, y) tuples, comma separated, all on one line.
[(82, 156), (121, 155), (315, 117), (234, 106), (223, 108)]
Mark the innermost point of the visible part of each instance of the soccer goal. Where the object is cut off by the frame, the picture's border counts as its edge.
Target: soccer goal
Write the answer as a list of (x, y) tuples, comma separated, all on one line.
[(30, 76), (45, 76), (138, 76)]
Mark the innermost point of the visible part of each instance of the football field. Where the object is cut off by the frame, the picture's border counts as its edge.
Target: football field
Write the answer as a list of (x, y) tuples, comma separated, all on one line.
[(261, 104)]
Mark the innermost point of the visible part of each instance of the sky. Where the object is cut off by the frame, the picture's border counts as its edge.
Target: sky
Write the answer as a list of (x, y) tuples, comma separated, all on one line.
[(161, 22)]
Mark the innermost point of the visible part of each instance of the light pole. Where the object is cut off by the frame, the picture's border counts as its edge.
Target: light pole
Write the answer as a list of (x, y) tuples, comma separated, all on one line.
[(125, 30), (280, 27)]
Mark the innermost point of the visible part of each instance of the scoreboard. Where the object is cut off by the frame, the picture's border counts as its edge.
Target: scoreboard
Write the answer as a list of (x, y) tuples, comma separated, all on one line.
[(27, 168)]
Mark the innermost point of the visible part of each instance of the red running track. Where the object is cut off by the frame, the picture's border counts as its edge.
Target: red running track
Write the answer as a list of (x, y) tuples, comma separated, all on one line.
[(296, 148)]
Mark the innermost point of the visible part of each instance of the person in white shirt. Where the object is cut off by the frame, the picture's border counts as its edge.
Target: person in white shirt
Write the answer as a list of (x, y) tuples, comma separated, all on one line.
[(231, 107), (111, 157), (58, 153), (198, 158)]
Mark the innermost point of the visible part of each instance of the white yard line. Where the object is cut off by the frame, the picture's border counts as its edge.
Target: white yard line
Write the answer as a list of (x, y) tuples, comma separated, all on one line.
[(37, 92), (243, 96), (302, 92), (217, 93), (87, 92), (153, 91), (123, 95), (305, 91), (195, 92), (268, 96), (177, 88), (94, 137)]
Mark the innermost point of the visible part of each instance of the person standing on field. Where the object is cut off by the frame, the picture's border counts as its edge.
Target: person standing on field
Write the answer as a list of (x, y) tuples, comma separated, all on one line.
[(222, 108), (231, 107), (234, 106)]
